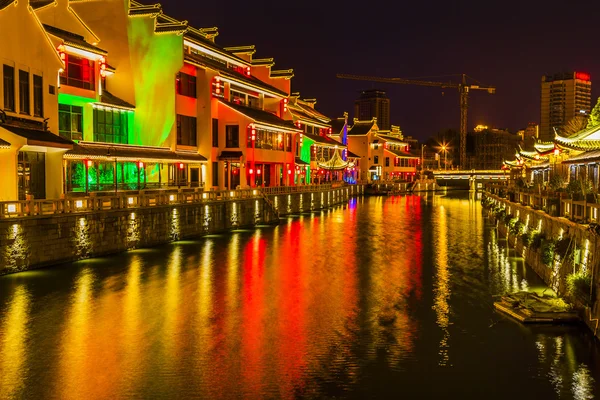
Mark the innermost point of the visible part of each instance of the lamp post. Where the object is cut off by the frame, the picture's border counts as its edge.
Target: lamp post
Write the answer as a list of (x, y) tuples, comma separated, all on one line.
[(422, 157), (444, 149)]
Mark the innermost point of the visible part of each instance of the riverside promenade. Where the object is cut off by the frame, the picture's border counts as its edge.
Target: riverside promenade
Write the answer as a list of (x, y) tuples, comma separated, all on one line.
[(562, 252), (40, 233)]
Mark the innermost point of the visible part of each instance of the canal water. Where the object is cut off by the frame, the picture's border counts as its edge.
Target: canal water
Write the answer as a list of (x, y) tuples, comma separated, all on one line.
[(381, 298)]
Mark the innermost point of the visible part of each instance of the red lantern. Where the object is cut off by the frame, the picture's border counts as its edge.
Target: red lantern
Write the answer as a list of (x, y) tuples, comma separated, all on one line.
[(258, 171), (181, 165), (89, 163), (251, 171)]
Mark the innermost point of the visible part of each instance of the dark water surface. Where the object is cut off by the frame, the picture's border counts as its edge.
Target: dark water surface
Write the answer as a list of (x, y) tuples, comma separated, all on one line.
[(385, 298)]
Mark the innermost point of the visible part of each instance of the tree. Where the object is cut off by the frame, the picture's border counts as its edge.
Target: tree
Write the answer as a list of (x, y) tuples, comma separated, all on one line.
[(594, 120), (574, 126)]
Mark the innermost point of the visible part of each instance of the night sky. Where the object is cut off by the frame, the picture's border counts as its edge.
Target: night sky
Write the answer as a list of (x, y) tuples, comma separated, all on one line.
[(506, 44)]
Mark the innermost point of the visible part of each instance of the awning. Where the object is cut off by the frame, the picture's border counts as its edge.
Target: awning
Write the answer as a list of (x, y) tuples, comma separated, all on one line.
[(230, 155), (350, 154), (39, 137), (122, 152), (588, 156), (373, 168), (4, 144), (298, 161)]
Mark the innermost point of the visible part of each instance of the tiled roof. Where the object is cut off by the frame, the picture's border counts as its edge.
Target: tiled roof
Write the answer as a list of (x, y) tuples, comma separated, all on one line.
[(541, 166), (361, 128), (73, 39), (402, 154), (300, 114), (37, 4), (587, 139), (324, 140), (38, 136), (5, 3), (110, 99), (263, 117), (588, 156), (110, 150), (233, 75), (389, 138), (197, 36), (531, 155)]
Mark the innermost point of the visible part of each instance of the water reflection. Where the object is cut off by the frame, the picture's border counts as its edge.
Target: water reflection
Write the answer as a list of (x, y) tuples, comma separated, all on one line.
[(13, 338), (442, 284), (361, 301)]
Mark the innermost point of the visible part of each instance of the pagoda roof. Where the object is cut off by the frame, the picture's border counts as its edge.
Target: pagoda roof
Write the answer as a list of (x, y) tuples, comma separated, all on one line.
[(262, 117), (335, 162), (544, 147), (587, 139), (532, 155)]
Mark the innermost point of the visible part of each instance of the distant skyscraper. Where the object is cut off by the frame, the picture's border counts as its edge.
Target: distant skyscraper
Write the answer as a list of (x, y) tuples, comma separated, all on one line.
[(373, 103), (564, 96)]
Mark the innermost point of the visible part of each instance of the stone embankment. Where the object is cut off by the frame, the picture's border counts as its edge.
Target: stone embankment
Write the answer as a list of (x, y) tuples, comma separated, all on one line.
[(30, 241), (563, 253)]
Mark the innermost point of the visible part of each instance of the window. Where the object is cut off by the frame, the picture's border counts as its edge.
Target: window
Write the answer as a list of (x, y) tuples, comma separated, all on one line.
[(70, 122), (215, 173), (232, 133), (24, 92), (38, 96), (288, 142), (79, 72), (215, 132), (387, 161), (186, 85), (376, 159), (110, 126), (9, 87), (186, 131)]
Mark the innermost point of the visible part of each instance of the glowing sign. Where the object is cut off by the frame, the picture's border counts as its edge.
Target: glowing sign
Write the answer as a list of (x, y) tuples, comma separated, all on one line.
[(584, 76)]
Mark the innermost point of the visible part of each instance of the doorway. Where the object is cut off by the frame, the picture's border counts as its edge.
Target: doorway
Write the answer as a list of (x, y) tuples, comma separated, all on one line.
[(195, 177), (31, 170)]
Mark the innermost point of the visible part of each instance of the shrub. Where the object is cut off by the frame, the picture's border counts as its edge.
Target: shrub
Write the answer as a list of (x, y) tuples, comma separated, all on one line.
[(538, 239), (563, 246), (517, 228), (556, 182), (578, 286), (548, 252)]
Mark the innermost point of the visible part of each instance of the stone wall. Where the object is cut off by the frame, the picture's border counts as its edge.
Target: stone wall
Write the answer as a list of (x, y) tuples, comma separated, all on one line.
[(555, 276), (33, 242)]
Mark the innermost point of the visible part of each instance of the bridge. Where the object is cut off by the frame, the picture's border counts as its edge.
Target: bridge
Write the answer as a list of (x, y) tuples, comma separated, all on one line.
[(469, 179)]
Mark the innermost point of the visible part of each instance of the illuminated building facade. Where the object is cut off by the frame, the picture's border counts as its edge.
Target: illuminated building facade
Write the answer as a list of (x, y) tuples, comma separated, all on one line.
[(145, 101), (384, 155), (564, 96), (31, 151)]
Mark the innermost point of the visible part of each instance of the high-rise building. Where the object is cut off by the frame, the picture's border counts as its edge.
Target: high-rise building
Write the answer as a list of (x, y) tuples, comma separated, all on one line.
[(564, 96), (373, 104)]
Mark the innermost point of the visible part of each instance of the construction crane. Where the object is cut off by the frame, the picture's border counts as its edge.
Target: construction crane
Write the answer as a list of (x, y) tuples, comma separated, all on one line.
[(463, 90)]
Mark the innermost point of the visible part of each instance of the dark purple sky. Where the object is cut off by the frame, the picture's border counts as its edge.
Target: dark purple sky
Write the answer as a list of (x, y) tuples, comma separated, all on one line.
[(509, 44)]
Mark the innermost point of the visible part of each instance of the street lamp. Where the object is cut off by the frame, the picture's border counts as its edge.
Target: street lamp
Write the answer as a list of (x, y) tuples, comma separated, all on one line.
[(444, 149), (422, 158)]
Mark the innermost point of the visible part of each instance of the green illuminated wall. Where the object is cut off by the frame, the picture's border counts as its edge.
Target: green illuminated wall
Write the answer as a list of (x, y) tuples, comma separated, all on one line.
[(155, 60), (305, 154)]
